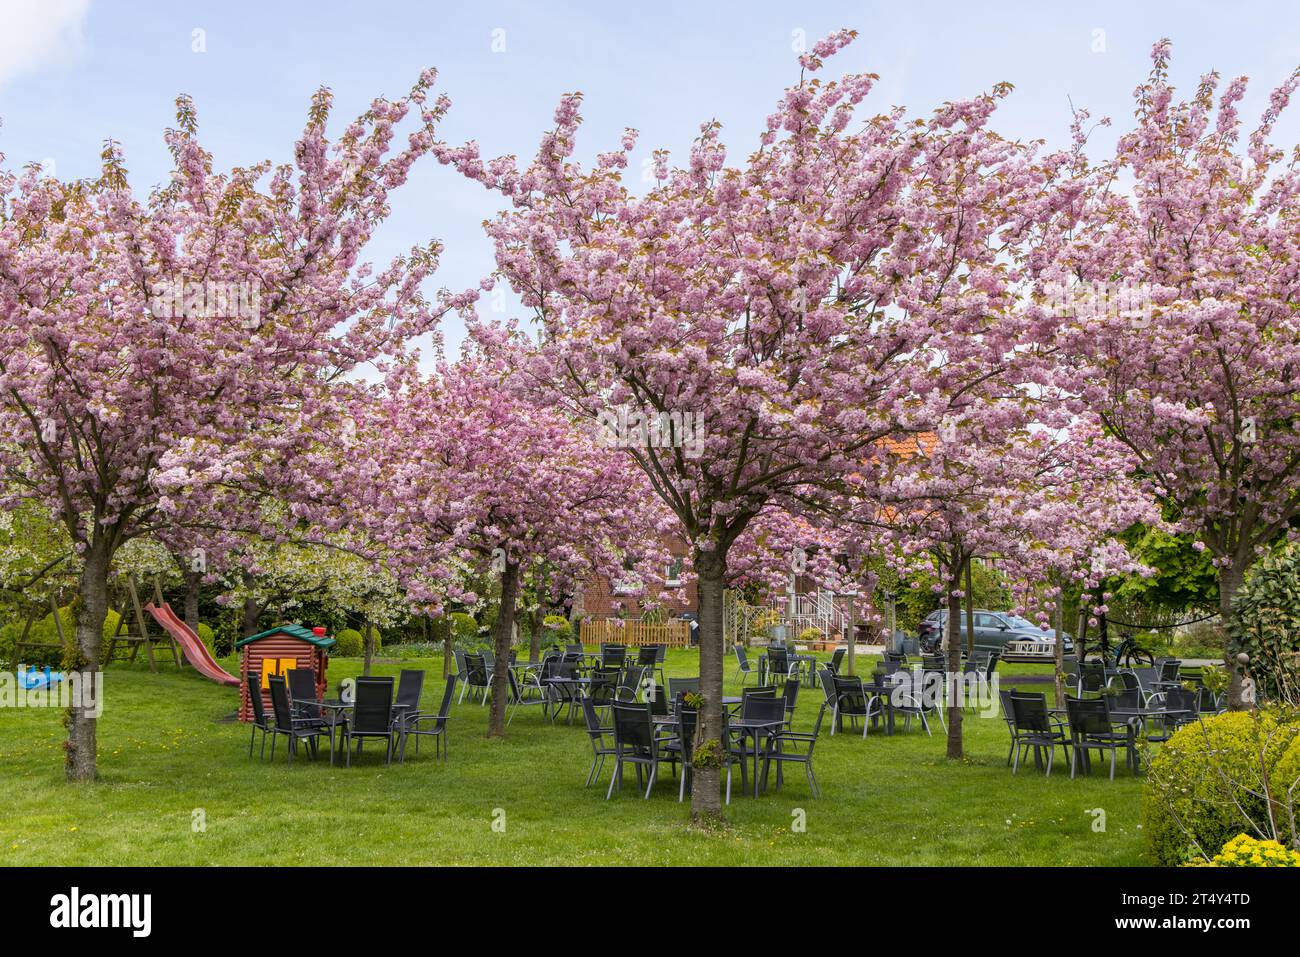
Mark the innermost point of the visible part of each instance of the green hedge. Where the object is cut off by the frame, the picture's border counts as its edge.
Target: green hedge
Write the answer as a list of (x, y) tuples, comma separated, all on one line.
[(1206, 770)]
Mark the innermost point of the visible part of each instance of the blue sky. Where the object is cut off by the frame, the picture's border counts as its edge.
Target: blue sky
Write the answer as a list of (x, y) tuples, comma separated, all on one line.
[(73, 72)]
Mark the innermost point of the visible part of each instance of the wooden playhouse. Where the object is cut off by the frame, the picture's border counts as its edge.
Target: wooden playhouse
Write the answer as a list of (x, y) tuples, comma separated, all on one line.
[(275, 651)]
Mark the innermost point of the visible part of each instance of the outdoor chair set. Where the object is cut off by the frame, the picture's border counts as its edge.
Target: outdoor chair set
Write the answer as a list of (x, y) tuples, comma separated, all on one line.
[(778, 663), (887, 696), (375, 713), (1111, 722), (646, 737)]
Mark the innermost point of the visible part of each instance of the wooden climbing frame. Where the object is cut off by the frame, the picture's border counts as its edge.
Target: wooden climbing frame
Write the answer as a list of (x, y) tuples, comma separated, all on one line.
[(24, 642), (125, 645)]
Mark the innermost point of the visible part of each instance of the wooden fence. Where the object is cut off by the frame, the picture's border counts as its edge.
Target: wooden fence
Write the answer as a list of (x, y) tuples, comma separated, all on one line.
[(616, 631)]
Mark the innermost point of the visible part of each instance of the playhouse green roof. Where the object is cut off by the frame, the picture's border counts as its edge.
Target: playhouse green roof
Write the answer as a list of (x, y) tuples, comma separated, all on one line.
[(296, 631)]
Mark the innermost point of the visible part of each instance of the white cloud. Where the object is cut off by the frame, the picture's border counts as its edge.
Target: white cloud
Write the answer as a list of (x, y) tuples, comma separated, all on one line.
[(34, 33)]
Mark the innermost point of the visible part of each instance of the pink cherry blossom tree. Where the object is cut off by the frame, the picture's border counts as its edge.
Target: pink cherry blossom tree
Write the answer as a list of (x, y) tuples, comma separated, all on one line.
[(1177, 287), (459, 471), (192, 333), (1024, 482), (771, 319)]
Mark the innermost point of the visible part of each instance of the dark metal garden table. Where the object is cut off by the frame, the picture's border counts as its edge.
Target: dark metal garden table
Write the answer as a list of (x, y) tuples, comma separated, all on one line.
[(567, 687), (882, 691), (339, 709), (755, 728)]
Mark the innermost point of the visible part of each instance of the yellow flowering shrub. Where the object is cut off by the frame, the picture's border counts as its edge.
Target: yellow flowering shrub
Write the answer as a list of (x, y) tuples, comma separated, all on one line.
[(1246, 851)]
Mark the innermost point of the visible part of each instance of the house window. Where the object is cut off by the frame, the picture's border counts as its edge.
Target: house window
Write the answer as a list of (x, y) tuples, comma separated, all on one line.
[(630, 583), (673, 576), (276, 666)]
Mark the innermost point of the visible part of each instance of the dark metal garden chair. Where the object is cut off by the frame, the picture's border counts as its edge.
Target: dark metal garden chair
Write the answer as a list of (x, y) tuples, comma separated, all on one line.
[(791, 696), (295, 729), (755, 742), (1093, 729), (462, 672), (1009, 716), (629, 683), (777, 664), (1129, 699), (412, 724), (635, 743), (837, 658), (743, 667), (1182, 706), (372, 717), (679, 745), (530, 691), (259, 715), (410, 685), (851, 702), (1148, 682), (1070, 669), (1036, 728), (647, 657), (603, 690), (1092, 677), (597, 733), (613, 655), (908, 699), (661, 660), (301, 683), (477, 677), (793, 747), (680, 686), (306, 706)]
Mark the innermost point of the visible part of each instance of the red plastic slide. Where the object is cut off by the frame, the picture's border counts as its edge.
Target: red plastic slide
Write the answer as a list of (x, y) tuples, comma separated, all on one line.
[(195, 651)]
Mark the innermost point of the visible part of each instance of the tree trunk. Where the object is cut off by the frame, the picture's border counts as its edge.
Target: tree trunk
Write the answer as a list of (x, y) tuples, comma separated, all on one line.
[(502, 633), (954, 661), (535, 619), (192, 581), (80, 760), (1230, 579), (706, 794), (369, 649), (448, 646), (252, 617)]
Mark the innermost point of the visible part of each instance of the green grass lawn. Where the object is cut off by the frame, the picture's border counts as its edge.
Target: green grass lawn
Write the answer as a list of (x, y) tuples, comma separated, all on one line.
[(167, 750)]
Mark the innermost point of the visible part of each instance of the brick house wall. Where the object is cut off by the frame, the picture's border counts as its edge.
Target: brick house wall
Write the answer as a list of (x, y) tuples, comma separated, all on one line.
[(600, 600)]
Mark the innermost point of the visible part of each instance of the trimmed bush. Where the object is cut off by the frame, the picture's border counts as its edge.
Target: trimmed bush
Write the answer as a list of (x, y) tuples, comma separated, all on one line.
[(557, 628), (1204, 772), (1265, 624), (208, 637), (349, 643), (810, 635), (464, 629)]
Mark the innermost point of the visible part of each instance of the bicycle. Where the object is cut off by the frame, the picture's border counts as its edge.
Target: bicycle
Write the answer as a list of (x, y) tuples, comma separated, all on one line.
[(1127, 654)]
